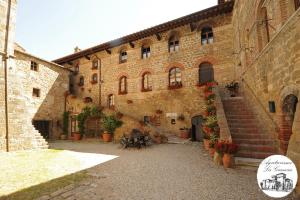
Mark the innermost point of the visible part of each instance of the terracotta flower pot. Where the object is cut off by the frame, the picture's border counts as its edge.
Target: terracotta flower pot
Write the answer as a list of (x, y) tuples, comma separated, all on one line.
[(106, 137), (184, 134), (212, 152), (206, 144), (228, 160), (157, 140), (218, 159), (76, 136)]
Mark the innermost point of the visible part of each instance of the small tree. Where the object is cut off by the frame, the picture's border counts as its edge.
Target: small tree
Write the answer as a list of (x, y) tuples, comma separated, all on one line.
[(111, 123), (81, 118)]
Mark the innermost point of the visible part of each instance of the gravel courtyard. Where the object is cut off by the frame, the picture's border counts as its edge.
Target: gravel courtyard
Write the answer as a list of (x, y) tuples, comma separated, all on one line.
[(168, 171)]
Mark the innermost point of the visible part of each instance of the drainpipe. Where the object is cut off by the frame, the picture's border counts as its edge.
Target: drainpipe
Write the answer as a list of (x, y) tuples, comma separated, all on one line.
[(5, 58)]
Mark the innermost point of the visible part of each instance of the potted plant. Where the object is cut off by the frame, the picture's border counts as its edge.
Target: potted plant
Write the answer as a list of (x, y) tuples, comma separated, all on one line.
[(206, 138), (230, 150), (184, 133), (65, 125), (81, 118), (227, 150), (110, 124), (233, 88), (212, 142)]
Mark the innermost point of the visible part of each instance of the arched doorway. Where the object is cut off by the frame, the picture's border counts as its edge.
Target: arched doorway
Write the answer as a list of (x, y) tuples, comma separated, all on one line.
[(288, 113), (197, 132)]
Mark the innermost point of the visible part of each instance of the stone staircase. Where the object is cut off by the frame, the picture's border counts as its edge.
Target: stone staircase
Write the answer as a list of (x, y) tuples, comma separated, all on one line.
[(246, 130), (40, 142)]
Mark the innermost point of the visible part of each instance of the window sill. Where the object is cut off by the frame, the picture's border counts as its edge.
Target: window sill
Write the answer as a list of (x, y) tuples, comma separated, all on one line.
[(94, 68), (94, 82), (122, 93), (122, 61), (146, 90), (174, 87), (80, 85)]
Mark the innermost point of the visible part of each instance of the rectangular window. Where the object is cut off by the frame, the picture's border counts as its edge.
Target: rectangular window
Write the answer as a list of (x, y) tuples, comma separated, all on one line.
[(33, 66), (36, 92)]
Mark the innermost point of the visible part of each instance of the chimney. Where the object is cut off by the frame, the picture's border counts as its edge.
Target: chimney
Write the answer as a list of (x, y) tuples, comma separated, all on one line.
[(76, 49)]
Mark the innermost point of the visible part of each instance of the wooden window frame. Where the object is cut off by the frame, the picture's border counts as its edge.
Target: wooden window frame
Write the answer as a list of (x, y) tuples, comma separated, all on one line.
[(123, 56), (208, 66), (81, 81), (36, 92), (94, 79), (146, 51), (149, 86), (123, 92), (111, 101), (95, 63), (34, 66), (177, 83), (207, 38)]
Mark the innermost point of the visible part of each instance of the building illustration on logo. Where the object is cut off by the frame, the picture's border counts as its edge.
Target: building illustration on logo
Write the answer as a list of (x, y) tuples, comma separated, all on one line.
[(278, 183)]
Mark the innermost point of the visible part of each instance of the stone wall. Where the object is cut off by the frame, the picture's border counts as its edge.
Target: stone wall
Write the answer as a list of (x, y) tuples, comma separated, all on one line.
[(269, 70), (53, 82), (187, 100)]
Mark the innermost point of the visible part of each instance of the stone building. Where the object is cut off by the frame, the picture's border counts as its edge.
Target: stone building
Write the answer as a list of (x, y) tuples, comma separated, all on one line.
[(155, 74), (31, 91), (267, 65)]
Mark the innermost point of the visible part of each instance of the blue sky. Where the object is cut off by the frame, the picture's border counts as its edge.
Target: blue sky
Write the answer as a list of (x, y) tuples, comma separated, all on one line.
[(52, 28)]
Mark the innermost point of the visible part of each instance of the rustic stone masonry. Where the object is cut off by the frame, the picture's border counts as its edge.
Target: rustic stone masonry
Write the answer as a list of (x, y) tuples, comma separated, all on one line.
[(186, 101), (50, 79), (267, 47)]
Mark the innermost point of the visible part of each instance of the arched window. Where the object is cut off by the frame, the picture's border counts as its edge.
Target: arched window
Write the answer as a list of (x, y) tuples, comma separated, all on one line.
[(146, 52), (81, 81), (123, 85), (123, 56), (146, 82), (95, 63), (297, 4), (207, 35), (173, 44), (94, 79), (263, 35), (111, 101), (206, 73), (175, 78)]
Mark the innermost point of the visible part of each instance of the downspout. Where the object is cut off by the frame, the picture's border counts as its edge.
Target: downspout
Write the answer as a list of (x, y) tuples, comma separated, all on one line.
[(5, 58)]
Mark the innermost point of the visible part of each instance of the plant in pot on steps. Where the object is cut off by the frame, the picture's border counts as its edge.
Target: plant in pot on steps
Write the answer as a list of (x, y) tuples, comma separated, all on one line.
[(212, 142), (64, 135), (228, 150), (110, 124), (206, 137)]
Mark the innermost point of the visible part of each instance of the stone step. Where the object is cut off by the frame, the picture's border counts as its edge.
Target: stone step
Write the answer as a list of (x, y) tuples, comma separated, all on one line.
[(254, 154), (244, 130), (243, 125), (235, 116), (260, 148), (250, 162), (250, 136), (255, 141)]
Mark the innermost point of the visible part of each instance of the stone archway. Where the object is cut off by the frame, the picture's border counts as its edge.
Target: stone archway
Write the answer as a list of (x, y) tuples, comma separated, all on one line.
[(289, 106)]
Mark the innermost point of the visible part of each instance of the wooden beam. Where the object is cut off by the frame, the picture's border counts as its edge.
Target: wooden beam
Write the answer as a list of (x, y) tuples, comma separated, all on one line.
[(70, 63), (131, 44), (87, 57), (108, 51), (158, 36)]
